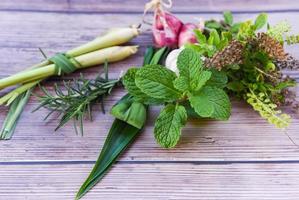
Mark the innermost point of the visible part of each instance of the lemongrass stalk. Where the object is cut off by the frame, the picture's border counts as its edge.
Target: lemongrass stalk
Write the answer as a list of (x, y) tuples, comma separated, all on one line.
[(113, 37), (111, 54), (11, 96)]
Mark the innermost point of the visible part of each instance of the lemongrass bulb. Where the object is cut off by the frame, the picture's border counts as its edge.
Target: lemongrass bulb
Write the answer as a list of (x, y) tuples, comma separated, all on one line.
[(111, 54), (113, 37)]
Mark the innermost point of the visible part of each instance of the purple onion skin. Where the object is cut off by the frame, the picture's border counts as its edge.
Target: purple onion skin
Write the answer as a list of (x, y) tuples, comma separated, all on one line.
[(166, 29), (187, 35)]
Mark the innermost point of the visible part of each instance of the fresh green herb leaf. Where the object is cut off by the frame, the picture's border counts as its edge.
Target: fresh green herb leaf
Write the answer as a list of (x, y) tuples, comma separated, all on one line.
[(192, 77), (201, 38), (129, 83), (246, 30), (157, 56), (260, 21), (218, 79), (120, 135), (181, 83), (14, 113), (235, 28), (228, 17), (157, 82), (168, 125), (212, 24), (211, 102), (202, 79), (130, 111), (148, 55), (235, 86)]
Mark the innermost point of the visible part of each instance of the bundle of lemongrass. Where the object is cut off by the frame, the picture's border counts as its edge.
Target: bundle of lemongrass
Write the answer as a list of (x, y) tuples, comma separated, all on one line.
[(100, 50)]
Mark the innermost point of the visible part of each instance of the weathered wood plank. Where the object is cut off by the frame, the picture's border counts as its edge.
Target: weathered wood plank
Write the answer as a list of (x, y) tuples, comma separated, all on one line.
[(59, 32), (245, 137), (154, 181), (137, 5)]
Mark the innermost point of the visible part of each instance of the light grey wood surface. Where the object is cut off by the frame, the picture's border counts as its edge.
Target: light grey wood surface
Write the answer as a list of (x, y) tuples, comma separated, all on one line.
[(267, 181), (243, 158)]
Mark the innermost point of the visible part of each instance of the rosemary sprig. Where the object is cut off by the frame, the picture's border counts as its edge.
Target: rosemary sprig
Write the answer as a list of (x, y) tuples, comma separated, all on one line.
[(76, 98)]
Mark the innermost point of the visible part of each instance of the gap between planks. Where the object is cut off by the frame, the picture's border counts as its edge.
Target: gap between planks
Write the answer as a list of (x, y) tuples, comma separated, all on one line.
[(140, 162), (75, 12)]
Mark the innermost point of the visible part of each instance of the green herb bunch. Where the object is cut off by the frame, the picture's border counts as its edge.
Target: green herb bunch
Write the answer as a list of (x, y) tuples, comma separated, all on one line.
[(75, 99), (252, 60), (195, 85)]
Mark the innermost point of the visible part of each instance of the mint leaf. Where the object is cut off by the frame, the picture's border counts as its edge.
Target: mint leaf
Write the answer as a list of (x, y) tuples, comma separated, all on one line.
[(260, 21), (169, 124), (129, 82), (192, 77), (228, 17), (218, 79), (181, 83), (202, 78), (189, 63), (211, 102), (157, 82)]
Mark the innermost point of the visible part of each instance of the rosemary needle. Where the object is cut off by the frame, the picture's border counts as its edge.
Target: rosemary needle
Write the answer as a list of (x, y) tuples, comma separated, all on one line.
[(75, 99)]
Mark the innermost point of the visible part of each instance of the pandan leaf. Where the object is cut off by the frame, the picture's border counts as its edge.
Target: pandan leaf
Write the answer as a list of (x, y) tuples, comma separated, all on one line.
[(149, 53), (121, 134), (134, 113)]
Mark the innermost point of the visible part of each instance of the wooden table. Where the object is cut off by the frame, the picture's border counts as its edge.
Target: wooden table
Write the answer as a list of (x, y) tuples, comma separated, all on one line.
[(243, 158)]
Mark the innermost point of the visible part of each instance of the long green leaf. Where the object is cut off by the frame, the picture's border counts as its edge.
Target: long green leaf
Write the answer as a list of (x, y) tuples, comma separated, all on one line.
[(13, 115), (119, 137)]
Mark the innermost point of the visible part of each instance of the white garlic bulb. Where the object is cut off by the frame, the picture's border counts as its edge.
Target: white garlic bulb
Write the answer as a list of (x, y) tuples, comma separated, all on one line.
[(171, 60)]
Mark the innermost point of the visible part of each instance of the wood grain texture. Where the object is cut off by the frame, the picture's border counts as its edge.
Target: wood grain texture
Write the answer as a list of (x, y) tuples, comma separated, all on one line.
[(129, 6), (244, 137), (154, 181), (243, 158)]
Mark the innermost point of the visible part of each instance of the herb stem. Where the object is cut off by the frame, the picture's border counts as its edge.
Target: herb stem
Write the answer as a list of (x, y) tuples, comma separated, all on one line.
[(261, 71)]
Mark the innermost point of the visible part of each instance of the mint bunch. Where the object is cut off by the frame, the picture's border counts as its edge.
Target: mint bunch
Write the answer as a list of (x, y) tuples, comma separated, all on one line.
[(195, 85)]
